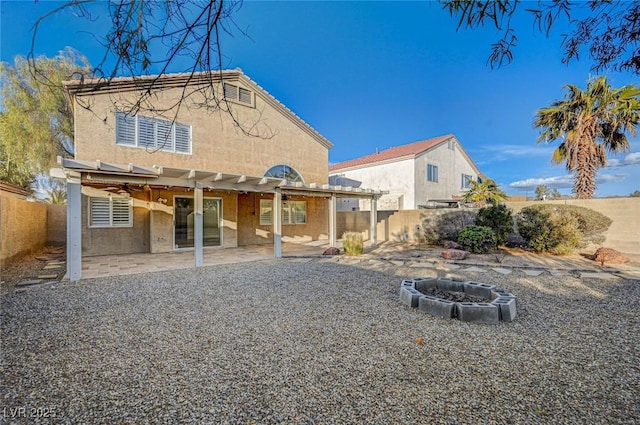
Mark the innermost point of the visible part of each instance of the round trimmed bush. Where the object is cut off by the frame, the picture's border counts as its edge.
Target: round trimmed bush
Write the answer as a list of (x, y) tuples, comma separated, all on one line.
[(478, 239), (497, 217)]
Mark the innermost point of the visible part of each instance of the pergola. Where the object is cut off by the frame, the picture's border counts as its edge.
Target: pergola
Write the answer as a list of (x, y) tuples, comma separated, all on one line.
[(79, 173)]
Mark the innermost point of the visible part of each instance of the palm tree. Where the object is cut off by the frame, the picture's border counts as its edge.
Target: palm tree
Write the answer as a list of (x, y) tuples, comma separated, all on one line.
[(484, 192), (590, 123)]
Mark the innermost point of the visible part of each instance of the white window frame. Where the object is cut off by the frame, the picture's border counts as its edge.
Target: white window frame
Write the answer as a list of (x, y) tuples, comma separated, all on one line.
[(288, 212), (432, 173), (111, 221), (466, 179), (129, 133), (238, 94)]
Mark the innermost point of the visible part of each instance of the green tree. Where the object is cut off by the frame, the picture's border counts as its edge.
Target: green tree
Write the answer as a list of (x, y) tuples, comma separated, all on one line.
[(542, 191), (635, 194), (607, 30), (36, 124), (555, 194), (589, 123), (484, 192)]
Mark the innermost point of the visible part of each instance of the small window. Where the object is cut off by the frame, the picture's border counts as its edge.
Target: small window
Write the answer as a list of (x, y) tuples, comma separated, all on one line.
[(293, 212), (451, 145), (284, 172), (432, 173), (110, 212), (466, 181), (230, 92), (266, 211)]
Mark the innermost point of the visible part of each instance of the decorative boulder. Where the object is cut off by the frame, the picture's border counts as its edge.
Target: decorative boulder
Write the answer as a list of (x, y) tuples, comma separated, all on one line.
[(452, 245), (454, 254), (609, 255), (331, 251)]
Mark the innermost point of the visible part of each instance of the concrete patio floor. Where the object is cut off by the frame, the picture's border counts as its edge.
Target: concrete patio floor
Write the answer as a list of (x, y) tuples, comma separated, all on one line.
[(124, 264)]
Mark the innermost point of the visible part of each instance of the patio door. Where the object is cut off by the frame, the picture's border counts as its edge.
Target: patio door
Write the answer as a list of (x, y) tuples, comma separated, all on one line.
[(184, 229)]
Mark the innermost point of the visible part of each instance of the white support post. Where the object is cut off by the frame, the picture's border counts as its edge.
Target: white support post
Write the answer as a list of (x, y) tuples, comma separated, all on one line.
[(74, 228), (373, 229), (197, 225), (332, 221), (277, 224)]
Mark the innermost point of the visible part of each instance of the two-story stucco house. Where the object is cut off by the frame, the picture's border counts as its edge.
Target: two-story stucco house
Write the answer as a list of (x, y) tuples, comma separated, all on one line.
[(163, 175), (411, 175)]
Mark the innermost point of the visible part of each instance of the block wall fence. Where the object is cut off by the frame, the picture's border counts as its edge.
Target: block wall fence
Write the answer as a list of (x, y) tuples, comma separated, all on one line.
[(406, 225)]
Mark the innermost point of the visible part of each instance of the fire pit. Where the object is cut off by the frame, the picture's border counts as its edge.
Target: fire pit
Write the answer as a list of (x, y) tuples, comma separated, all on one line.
[(465, 300)]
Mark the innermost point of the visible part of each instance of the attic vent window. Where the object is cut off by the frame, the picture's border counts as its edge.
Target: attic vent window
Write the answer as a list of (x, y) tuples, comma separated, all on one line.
[(238, 94)]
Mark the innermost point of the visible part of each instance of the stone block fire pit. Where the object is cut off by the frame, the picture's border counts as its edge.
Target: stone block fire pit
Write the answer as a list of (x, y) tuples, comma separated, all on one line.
[(465, 300)]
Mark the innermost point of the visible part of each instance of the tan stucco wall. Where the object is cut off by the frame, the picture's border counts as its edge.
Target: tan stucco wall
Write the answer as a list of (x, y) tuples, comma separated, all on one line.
[(623, 234), (251, 232), (23, 227), (218, 143)]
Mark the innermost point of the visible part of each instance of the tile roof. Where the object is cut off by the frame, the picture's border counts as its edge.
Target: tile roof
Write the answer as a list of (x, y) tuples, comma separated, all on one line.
[(412, 149)]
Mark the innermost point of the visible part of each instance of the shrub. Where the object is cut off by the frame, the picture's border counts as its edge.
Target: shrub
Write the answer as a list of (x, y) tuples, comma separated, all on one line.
[(477, 239), (352, 243), (561, 229), (447, 226), (499, 218)]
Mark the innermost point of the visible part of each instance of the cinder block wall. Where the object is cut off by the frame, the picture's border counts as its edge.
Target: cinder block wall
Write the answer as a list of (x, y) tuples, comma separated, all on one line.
[(623, 234), (23, 227), (56, 224)]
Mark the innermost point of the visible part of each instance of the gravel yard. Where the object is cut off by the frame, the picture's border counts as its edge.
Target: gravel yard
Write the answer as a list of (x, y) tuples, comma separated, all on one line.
[(316, 341)]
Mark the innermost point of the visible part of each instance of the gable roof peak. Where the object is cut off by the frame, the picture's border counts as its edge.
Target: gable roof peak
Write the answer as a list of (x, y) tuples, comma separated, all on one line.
[(394, 153)]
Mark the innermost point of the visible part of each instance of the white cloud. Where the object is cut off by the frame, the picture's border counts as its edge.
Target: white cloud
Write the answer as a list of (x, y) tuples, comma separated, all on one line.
[(631, 159), (558, 182), (503, 152), (562, 182)]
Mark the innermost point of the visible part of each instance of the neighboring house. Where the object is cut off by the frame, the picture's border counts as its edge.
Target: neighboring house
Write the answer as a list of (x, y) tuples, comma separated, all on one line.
[(412, 175), (167, 177)]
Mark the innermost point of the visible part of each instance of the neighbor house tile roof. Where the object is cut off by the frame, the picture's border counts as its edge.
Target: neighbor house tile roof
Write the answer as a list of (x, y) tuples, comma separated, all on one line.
[(412, 149)]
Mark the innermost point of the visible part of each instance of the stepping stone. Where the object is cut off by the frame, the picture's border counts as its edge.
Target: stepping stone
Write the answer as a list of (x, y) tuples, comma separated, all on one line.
[(47, 276), (501, 270), (50, 267), (452, 267), (420, 265), (397, 262), (55, 263), (532, 272), (596, 275), (475, 269), (559, 272), (29, 282)]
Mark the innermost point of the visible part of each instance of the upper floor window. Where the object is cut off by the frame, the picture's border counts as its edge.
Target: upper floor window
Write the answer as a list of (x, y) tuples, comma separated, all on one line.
[(239, 94), (432, 173), (466, 181), (284, 172), (152, 133), (451, 144)]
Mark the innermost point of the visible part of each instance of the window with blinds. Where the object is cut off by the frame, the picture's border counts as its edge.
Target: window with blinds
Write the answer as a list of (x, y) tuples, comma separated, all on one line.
[(293, 212), (153, 133), (110, 212)]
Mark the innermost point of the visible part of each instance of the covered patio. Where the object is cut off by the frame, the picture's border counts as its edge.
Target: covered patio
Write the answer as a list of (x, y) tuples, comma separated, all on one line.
[(90, 177)]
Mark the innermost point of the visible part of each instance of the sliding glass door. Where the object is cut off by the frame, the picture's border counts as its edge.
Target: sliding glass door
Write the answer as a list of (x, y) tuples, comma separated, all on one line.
[(184, 215)]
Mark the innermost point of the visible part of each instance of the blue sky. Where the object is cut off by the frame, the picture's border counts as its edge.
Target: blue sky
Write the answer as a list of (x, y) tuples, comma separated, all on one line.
[(372, 75)]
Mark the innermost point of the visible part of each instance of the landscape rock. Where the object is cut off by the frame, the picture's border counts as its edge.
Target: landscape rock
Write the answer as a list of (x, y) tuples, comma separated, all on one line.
[(610, 255), (331, 251), (452, 245), (454, 254)]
